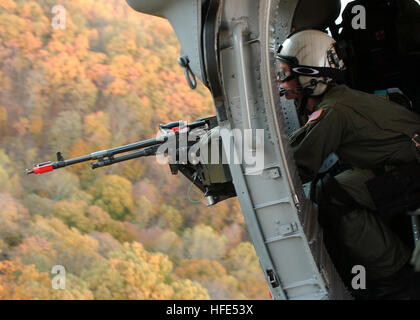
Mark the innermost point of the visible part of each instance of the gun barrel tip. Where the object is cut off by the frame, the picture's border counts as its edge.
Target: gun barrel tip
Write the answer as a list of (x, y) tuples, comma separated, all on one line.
[(29, 171)]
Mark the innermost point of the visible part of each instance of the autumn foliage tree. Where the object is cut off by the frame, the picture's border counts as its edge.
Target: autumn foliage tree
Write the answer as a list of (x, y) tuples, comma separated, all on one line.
[(134, 273), (126, 231), (114, 195)]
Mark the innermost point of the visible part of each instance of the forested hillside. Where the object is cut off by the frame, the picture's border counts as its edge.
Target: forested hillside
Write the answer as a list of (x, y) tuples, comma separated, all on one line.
[(121, 232)]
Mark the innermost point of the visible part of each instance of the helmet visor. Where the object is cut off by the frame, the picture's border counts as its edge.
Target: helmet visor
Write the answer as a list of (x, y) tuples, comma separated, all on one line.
[(284, 66), (284, 72)]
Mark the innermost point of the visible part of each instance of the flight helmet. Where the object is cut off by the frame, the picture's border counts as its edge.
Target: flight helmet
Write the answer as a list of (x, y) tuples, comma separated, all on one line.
[(310, 56)]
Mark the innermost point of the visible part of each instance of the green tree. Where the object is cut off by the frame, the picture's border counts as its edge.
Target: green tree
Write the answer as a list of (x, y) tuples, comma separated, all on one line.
[(96, 130), (102, 222), (66, 130), (169, 243), (114, 195), (70, 248), (61, 185), (38, 205), (76, 289), (169, 217), (9, 180), (242, 262), (14, 220), (144, 211), (203, 242), (73, 214)]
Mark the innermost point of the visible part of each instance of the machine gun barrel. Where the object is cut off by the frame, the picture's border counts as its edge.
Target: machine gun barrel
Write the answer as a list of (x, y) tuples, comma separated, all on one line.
[(143, 153), (104, 157), (128, 147)]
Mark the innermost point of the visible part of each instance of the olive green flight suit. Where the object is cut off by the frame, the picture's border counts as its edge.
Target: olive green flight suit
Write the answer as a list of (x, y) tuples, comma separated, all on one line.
[(366, 132)]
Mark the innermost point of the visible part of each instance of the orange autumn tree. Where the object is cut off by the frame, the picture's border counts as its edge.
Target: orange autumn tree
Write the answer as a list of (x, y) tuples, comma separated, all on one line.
[(109, 78), (23, 282), (134, 273)]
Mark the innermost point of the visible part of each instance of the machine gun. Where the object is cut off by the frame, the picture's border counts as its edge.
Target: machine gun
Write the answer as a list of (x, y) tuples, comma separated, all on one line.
[(213, 180)]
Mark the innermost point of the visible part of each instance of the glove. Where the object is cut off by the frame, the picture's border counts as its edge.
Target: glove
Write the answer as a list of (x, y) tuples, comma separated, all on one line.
[(415, 260)]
